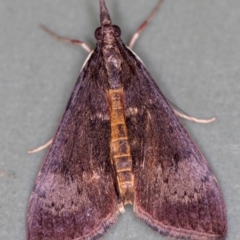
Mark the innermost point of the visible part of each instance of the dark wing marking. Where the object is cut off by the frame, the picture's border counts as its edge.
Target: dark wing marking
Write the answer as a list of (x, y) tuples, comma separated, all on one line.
[(175, 191), (74, 195)]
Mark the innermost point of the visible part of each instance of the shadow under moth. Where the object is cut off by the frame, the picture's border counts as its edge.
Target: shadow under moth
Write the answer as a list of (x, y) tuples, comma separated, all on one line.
[(119, 142)]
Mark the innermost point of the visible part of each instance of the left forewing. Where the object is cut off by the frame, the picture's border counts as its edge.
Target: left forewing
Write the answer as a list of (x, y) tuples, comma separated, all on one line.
[(175, 191)]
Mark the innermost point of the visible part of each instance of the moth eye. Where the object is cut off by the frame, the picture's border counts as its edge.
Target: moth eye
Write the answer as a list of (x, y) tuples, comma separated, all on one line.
[(98, 33), (117, 31)]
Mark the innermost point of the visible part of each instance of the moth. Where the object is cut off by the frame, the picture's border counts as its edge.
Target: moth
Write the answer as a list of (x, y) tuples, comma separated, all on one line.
[(119, 142)]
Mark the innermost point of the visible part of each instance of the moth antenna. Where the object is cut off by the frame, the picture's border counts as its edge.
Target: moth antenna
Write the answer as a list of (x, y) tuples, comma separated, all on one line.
[(144, 24), (66, 40)]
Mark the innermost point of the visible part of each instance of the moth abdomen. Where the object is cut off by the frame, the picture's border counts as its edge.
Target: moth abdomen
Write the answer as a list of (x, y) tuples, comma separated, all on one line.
[(120, 149)]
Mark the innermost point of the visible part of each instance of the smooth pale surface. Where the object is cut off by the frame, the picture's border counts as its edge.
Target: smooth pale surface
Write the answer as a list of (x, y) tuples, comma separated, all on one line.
[(192, 50)]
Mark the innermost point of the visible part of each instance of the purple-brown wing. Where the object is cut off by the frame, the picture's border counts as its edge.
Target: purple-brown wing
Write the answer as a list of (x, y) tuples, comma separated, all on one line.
[(175, 191), (74, 196)]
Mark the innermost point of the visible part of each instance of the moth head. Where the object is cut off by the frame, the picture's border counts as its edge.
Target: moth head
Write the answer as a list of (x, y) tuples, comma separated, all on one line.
[(107, 30), (115, 30)]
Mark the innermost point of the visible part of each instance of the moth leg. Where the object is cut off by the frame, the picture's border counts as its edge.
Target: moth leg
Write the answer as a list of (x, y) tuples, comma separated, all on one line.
[(66, 40), (41, 147), (193, 119), (144, 24)]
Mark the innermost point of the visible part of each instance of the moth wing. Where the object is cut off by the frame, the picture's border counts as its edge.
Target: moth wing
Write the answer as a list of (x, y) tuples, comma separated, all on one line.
[(175, 191), (74, 195)]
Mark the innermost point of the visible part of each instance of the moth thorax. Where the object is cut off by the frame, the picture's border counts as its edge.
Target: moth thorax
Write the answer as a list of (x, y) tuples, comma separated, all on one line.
[(113, 65)]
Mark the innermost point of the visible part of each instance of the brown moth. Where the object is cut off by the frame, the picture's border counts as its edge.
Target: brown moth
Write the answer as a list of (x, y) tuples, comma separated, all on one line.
[(119, 142)]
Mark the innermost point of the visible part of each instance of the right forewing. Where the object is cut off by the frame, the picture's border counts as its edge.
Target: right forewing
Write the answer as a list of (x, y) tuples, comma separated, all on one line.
[(74, 195)]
